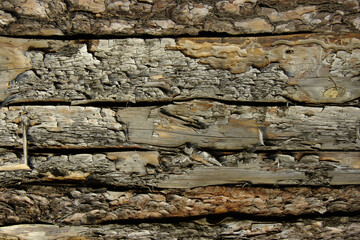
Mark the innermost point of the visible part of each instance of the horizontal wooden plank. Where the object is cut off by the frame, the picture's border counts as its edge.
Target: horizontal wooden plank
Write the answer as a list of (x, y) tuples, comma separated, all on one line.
[(61, 126), (192, 168), (203, 124), (273, 169), (81, 205), (168, 17), (211, 227), (227, 175), (302, 68), (215, 125)]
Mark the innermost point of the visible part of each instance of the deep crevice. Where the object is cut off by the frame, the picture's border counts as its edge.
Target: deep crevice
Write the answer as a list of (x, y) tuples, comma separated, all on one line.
[(33, 150), (90, 103), (112, 104), (201, 34), (95, 183), (214, 219)]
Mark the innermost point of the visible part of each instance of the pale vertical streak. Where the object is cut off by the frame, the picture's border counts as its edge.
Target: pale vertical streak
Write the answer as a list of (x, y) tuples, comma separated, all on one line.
[(25, 150)]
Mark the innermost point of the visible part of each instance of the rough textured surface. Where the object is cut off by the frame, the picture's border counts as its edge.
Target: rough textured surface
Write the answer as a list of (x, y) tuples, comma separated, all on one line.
[(76, 205), (299, 68), (204, 124), (61, 126), (215, 125), (203, 228), (170, 17), (164, 119), (192, 168)]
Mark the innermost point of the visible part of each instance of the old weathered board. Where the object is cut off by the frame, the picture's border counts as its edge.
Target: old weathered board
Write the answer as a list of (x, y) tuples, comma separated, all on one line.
[(307, 68), (204, 124), (166, 169), (163, 119)]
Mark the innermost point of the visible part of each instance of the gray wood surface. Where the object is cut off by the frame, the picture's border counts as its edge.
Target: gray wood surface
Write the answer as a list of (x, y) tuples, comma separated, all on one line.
[(182, 170), (209, 125), (306, 68)]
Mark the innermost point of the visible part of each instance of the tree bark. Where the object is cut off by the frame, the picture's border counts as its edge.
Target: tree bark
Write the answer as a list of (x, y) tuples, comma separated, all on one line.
[(169, 17), (79, 206)]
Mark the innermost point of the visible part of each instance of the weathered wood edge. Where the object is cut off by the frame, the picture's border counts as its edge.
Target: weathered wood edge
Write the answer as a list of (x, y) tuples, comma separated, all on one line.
[(204, 228), (190, 169)]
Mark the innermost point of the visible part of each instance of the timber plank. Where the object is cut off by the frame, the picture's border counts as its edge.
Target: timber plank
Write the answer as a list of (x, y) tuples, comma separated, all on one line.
[(181, 170), (61, 127), (219, 126), (206, 125), (147, 132), (306, 68)]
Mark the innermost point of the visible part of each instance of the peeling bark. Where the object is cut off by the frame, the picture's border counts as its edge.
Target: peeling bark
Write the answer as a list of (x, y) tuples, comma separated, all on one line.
[(77, 206), (169, 17)]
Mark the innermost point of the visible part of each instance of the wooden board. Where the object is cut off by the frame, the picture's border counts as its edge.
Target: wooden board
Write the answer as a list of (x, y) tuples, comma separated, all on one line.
[(306, 68), (188, 169), (202, 124)]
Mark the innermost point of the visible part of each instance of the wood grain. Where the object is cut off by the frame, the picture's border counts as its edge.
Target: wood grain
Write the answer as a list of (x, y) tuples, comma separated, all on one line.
[(199, 123), (187, 169)]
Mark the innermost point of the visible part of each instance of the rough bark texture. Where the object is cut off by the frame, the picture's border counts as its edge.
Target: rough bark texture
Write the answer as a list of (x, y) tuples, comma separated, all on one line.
[(163, 119), (75, 205), (303, 68), (170, 17)]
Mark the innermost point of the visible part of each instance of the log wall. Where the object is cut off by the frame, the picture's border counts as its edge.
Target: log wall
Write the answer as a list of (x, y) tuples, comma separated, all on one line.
[(162, 119)]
